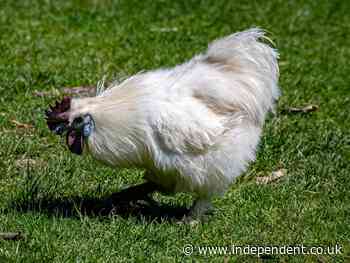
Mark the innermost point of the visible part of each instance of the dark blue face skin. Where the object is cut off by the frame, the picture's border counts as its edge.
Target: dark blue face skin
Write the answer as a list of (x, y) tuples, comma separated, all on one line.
[(78, 131)]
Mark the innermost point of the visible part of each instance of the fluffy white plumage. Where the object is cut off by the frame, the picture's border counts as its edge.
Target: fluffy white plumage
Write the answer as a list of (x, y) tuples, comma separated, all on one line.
[(195, 127)]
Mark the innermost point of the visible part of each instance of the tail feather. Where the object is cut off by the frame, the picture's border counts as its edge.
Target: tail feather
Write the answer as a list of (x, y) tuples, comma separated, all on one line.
[(246, 48), (253, 66)]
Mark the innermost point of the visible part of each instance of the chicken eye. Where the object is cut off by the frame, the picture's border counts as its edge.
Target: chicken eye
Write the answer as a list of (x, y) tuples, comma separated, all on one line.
[(78, 123)]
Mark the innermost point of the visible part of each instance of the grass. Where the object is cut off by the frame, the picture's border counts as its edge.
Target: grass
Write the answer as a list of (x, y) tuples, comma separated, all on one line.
[(46, 45)]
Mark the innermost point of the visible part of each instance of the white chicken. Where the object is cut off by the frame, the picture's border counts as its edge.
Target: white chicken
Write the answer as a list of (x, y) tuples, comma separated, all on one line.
[(193, 128)]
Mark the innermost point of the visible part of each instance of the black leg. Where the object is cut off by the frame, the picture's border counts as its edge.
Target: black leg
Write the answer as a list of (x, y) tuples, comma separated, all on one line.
[(134, 193)]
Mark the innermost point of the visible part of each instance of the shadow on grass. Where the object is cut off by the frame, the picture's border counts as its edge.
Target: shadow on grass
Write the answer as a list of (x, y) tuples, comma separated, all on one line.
[(100, 207), (34, 197), (77, 206)]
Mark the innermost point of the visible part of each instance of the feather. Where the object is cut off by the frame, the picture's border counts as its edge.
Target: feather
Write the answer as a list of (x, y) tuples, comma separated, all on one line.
[(194, 127)]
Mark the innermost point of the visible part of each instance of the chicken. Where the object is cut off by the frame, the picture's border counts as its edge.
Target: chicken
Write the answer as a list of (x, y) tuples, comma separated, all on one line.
[(194, 128)]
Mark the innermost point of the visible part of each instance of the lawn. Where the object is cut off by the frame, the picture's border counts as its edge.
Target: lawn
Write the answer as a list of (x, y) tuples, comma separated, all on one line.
[(49, 45)]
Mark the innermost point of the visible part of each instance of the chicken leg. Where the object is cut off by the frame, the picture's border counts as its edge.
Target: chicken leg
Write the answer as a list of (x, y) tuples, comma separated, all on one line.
[(134, 193)]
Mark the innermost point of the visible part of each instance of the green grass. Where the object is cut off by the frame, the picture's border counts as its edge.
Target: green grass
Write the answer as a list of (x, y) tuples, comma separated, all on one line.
[(45, 45)]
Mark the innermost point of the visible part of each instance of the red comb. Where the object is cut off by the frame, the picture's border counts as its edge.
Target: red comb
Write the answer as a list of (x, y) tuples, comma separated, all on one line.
[(57, 117)]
